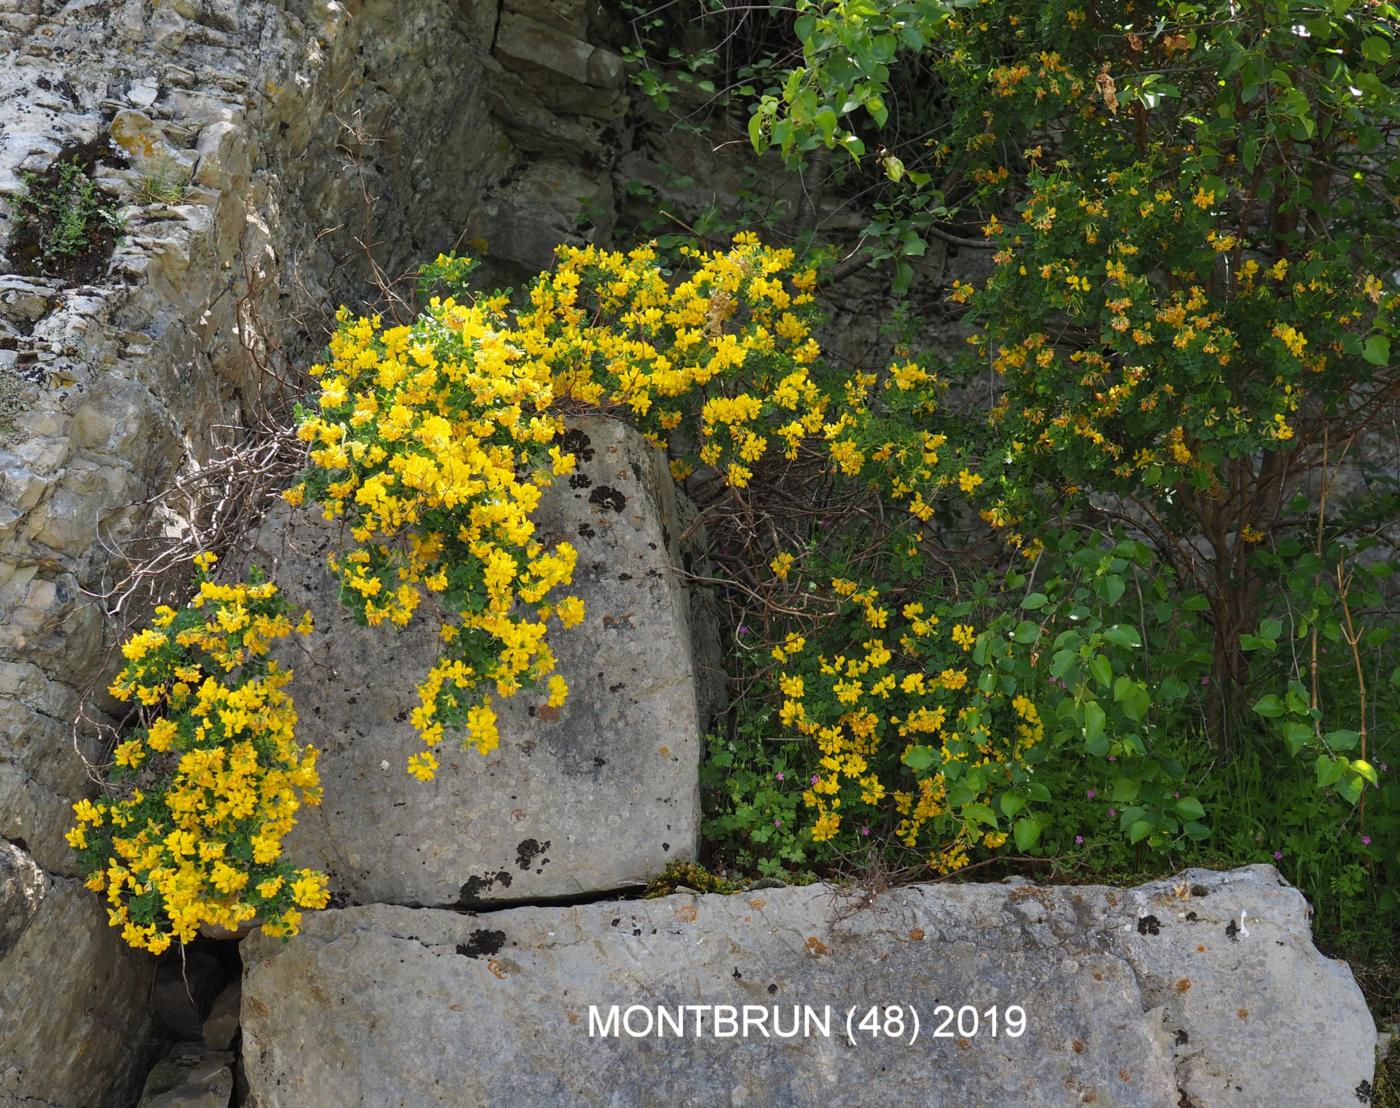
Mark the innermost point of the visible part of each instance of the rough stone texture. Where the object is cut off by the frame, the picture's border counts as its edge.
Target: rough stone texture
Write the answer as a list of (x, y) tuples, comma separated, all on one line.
[(74, 1025), (596, 795), (190, 1076), (222, 1024), (1133, 997), (21, 892)]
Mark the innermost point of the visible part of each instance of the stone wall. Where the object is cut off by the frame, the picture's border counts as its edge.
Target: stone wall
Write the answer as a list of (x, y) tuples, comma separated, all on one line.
[(303, 137)]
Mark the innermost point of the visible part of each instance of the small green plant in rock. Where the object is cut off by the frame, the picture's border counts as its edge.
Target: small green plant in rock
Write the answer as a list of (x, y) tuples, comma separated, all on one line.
[(690, 875), (65, 215), (162, 181)]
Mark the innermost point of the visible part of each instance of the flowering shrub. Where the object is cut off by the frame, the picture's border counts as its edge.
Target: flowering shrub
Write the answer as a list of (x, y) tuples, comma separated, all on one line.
[(433, 441), (189, 832), (1185, 331)]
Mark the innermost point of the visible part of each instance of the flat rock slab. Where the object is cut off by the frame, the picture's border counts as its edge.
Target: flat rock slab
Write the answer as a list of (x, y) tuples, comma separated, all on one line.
[(597, 795), (1154, 996)]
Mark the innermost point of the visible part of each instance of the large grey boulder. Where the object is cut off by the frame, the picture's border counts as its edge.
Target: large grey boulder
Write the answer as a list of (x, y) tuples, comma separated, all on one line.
[(75, 1029), (1154, 996), (596, 795)]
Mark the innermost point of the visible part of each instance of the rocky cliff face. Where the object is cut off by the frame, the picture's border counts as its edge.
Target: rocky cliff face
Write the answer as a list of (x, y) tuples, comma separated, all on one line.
[(260, 153)]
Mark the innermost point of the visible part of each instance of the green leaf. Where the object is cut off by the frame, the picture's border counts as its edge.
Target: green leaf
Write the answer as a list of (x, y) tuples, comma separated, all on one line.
[(756, 132), (1102, 670), (1114, 588), (1188, 807), (1270, 707), (918, 758), (1375, 49), (1173, 689), (981, 813), (1027, 833), (1328, 770), (1027, 631), (1366, 770), (1139, 831), (1376, 350), (1123, 635), (1034, 602), (1125, 790), (1094, 719), (1296, 736), (1061, 663), (1342, 740)]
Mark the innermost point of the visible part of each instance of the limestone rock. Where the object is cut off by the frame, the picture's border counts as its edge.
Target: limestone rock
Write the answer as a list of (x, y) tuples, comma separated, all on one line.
[(222, 1023), (1139, 997), (596, 795), (303, 129), (190, 1076), (21, 891), (568, 74), (75, 1029)]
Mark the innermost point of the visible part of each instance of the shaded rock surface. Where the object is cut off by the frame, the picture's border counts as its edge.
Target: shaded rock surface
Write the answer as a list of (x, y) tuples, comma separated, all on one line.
[(75, 1026), (221, 1025), (190, 1076), (596, 795), (1151, 996), (184, 992)]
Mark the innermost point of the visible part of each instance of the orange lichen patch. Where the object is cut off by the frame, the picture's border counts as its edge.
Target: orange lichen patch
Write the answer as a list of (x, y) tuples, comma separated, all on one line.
[(816, 947), (685, 913), (916, 935), (1183, 985)]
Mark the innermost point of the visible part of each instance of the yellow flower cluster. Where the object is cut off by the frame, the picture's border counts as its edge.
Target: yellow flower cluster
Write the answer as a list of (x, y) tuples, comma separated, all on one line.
[(956, 741), (434, 441), (189, 832)]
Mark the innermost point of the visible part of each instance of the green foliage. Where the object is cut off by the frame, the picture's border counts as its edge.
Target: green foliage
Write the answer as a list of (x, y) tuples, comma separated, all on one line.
[(691, 875), (1186, 333), (65, 210)]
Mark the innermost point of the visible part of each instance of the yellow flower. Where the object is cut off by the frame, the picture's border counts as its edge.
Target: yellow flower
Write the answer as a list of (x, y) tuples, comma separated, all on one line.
[(423, 765), (968, 481), (781, 564), (310, 889), (569, 611), (129, 753)]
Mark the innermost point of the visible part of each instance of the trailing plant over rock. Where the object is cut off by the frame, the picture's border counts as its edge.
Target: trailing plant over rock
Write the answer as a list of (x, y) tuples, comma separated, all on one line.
[(188, 832)]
